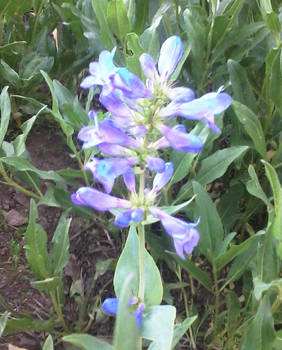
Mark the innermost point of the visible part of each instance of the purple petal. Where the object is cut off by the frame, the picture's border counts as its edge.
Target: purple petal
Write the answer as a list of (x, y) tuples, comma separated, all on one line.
[(89, 82), (181, 94), (171, 110), (148, 66), (93, 116), (184, 235), (112, 149), (139, 130), (170, 54), (162, 179), (160, 143), (181, 141), (129, 180), (156, 164), (106, 171), (105, 131), (134, 214), (110, 305), (112, 100), (139, 314), (130, 84), (106, 65), (98, 200), (211, 103)]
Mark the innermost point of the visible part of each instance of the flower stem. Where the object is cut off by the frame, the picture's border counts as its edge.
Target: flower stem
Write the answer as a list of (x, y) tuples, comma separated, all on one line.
[(141, 232), (58, 310), (10, 182)]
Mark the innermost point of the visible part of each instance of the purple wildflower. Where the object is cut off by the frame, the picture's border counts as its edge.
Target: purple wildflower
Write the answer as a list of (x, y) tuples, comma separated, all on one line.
[(185, 236), (110, 306)]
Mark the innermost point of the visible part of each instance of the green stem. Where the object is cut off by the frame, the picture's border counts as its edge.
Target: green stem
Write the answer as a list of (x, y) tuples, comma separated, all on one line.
[(37, 19), (192, 340), (216, 306), (11, 182), (34, 185), (141, 232), (58, 310)]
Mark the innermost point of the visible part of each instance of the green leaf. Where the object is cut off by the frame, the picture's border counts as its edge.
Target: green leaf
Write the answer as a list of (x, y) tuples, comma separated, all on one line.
[(196, 30), (48, 345), (260, 335), (117, 18), (172, 209), (267, 266), (260, 287), (181, 328), (35, 240), (275, 88), (34, 63), (242, 89), (19, 142), (7, 73), (22, 164), (5, 108), (201, 276), (134, 47), (126, 331), (275, 185), (150, 42), (49, 284), (277, 195), (86, 342), (224, 258), (128, 263), (25, 324), (233, 308), (158, 325), (3, 322), (254, 187), (142, 9), (59, 251), (183, 160), (210, 226), (251, 125), (100, 10), (243, 260), (212, 168)]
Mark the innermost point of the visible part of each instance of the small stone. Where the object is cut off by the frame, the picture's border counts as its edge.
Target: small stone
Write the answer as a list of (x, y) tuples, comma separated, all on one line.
[(14, 218)]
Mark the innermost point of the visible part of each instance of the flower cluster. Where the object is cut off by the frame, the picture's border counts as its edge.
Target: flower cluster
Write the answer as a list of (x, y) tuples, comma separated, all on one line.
[(139, 126)]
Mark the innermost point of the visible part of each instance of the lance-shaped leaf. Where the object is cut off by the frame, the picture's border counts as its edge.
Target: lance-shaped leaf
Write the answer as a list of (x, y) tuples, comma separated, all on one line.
[(5, 108), (59, 252), (251, 125), (128, 263), (35, 240), (86, 342), (126, 331), (117, 18), (212, 168), (48, 345), (210, 226), (260, 334), (158, 325)]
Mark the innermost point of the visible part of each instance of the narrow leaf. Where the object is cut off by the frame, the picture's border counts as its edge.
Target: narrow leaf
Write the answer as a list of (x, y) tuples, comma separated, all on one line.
[(251, 125), (158, 326), (5, 108), (86, 342), (128, 263), (59, 252), (35, 240), (210, 226)]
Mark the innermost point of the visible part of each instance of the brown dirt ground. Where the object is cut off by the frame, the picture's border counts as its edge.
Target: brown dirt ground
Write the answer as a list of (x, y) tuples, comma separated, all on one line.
[(88, 246)]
